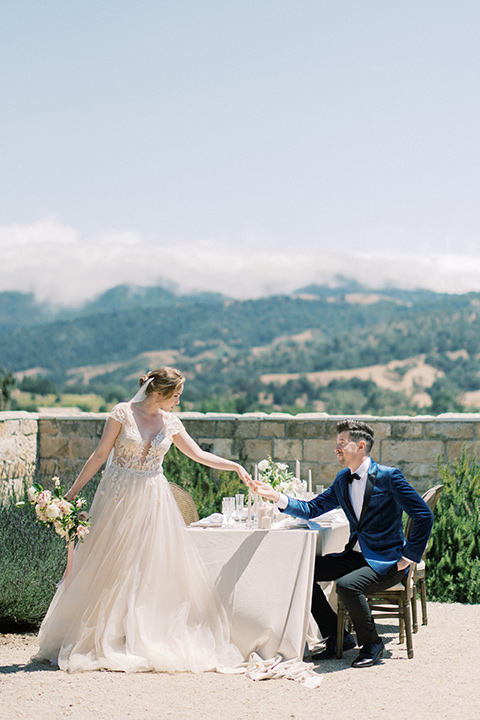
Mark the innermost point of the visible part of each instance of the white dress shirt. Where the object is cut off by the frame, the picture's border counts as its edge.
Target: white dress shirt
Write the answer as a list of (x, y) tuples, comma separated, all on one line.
[(357, 494)]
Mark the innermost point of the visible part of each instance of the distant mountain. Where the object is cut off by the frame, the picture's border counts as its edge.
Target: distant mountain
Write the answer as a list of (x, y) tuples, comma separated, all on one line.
[(23, 310), (250, 354)]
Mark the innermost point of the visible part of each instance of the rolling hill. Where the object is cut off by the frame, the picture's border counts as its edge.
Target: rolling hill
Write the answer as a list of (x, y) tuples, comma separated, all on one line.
[(343, 349)]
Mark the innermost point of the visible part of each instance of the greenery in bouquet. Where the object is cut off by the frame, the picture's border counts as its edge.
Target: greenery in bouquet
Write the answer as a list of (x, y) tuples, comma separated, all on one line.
[(68, 519), (278, 476)]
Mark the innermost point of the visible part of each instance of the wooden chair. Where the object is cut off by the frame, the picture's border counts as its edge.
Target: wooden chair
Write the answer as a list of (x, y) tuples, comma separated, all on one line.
[(392, 603), (185, 503), (431, 497), (399, 601)]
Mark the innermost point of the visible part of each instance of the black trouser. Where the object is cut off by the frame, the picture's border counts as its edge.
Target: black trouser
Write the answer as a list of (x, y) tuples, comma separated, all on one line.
[(355, 578)]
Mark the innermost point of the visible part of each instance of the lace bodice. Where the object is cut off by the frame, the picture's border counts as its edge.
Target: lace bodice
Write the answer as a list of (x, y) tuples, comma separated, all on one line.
[(131, 450)]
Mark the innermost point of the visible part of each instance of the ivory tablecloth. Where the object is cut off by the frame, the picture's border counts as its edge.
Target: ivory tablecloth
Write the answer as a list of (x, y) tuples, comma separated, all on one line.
[(264, 579)]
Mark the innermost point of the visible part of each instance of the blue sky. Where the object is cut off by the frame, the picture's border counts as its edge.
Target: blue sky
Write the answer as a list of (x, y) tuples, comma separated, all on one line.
[(241, 146)]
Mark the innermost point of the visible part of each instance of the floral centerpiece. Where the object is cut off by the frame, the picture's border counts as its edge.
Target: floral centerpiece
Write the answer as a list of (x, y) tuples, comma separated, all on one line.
[(52, 508), (279, 477)]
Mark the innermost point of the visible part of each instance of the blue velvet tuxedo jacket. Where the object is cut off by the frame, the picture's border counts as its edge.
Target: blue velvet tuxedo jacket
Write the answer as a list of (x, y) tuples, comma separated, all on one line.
[(379, 528)]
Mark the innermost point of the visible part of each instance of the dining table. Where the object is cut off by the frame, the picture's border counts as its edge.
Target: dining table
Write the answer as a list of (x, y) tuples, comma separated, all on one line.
[(264, 579)]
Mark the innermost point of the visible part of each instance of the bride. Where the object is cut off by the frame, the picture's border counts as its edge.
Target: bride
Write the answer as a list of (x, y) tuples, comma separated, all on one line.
[(138, 598)]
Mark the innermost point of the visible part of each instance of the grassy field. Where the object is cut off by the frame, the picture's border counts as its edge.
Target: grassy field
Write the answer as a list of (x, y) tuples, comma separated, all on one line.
[(32, 401)]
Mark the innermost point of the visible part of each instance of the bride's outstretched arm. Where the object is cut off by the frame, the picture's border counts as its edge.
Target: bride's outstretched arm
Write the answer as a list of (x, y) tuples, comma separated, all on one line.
[(191, 449), (97, 458)]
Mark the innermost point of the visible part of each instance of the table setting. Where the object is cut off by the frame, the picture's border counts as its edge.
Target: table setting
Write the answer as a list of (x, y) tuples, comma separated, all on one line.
[(262, 562)]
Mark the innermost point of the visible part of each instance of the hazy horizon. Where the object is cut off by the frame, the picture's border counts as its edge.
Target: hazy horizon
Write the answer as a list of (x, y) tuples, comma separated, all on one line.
[(244, 148)]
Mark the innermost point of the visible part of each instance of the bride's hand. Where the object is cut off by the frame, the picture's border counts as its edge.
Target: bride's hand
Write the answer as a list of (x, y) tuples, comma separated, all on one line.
[(244, 476), (70, 495), (266, 491)]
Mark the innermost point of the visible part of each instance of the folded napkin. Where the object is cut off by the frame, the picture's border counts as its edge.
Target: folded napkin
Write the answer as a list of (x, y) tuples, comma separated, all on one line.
[(214, 520)]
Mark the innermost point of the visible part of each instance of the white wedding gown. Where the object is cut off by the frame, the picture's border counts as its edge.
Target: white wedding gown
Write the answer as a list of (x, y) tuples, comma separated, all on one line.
[(138, 597)]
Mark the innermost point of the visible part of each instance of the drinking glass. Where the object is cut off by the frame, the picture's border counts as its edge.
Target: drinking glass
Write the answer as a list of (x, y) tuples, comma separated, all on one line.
[(240, 509), (228, 506), (320, 489)]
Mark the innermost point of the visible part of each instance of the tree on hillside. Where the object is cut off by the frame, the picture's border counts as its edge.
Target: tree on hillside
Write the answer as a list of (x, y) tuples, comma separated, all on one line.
[(7, 383)]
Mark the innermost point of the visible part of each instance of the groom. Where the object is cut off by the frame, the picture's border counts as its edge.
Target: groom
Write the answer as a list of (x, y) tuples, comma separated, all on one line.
[(376, 556)]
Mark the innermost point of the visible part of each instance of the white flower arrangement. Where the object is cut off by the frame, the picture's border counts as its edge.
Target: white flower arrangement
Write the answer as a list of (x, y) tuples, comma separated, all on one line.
[(278, 476), (52, 508)]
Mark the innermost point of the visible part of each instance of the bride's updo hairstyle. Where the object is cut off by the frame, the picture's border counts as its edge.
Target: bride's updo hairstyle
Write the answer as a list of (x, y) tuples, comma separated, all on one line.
[(166, 381)]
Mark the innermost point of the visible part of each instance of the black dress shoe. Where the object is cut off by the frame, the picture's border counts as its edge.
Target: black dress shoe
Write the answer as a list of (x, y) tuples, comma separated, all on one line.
[(370, 654), (331, 647)]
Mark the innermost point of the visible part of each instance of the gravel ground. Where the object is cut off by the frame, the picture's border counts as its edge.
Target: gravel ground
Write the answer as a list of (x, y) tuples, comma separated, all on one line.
[(442, 681)]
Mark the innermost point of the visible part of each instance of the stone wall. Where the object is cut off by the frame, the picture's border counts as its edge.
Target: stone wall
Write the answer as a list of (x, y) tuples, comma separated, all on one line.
[(61, 444), (18, 447)]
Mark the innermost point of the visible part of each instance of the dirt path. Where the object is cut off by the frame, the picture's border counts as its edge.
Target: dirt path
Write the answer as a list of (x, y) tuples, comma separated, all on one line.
[(442, 681)]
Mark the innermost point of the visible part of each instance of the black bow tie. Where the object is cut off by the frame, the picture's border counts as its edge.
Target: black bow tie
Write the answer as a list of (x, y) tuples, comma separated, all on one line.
[(353, 476)]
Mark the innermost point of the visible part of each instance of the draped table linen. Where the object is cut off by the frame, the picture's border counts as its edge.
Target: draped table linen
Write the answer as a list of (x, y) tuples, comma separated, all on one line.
[(264, 579)]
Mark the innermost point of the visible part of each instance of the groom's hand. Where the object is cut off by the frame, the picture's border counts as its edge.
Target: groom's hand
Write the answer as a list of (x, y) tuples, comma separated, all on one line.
[(266, 491)]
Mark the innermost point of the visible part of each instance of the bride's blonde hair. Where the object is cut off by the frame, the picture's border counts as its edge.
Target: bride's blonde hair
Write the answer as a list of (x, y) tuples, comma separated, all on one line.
[(166, 381)]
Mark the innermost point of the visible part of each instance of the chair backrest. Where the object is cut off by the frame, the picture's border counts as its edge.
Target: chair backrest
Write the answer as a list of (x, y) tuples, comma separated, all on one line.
[(431, 498), (185, 503), (432, 495)]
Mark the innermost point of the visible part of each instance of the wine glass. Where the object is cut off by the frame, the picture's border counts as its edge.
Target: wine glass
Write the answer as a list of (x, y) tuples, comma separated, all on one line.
[(228, 506)]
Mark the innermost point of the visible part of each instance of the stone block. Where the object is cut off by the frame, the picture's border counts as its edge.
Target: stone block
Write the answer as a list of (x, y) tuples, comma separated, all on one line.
[(454, 449), (394, 452), (272, 428), (256, 450), (453, 430), (287, 449), (305, 429), (200, 428), (420, 476), (225, 428), (247, 429), (74, 427), (381, 429), (319, 451), (80, 448), (28, 427), (219, 446), (326, 474), (407, 430), (11, 427), (48, 427), (54, 447), (331, 430)]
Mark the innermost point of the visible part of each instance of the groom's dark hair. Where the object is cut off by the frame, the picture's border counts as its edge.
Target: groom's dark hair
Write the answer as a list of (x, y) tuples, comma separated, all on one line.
[(358, 431)]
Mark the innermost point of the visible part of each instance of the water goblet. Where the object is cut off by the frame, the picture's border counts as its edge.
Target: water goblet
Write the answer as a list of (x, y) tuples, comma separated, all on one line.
[(228, 506), (240, 509)]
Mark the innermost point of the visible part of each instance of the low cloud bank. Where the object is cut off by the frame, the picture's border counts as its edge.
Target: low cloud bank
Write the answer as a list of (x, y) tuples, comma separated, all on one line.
[(58, 264)]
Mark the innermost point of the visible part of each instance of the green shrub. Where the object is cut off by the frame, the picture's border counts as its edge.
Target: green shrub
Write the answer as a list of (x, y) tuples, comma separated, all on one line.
[(453, 560), (32, 562), (33, 557), (206, 486)]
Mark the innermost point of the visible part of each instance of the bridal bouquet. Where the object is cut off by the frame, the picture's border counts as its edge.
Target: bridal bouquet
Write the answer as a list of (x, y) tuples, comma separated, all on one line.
[(52, 508), (279, 477)]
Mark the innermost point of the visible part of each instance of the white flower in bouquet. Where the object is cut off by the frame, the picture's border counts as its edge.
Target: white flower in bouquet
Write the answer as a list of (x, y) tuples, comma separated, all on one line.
[(52, 508), (52, 511), (279, 477), (32, 494), (82, 531), (43, 497)]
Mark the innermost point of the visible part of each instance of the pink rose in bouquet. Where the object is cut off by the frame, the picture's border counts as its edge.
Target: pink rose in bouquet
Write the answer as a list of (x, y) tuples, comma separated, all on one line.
[(52, 508)]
